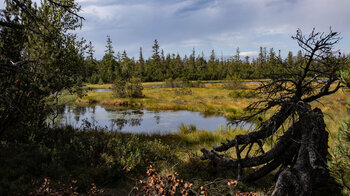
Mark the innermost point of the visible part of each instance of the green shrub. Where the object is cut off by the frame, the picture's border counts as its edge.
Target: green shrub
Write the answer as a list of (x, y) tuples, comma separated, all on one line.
[(100, 81), (340, 164), (119, 89), (132, 152), (85, 156), (132, 88), (94, 79), (233, 82), (173, 83)]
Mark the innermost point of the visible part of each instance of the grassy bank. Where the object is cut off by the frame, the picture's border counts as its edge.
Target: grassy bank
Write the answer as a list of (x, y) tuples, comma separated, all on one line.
[(213, 99), (78, 161)]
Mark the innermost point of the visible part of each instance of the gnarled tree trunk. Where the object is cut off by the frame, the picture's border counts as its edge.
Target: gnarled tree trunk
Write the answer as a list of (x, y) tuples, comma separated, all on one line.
[(300, 153)]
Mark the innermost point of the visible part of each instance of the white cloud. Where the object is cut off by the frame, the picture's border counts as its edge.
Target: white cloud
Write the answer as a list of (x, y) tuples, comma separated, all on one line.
[(224, 25), (249, 53)]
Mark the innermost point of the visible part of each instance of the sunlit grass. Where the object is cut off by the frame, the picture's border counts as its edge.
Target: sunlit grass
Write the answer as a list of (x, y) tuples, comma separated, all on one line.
[(334, 108), (212, 99), (99, 86)]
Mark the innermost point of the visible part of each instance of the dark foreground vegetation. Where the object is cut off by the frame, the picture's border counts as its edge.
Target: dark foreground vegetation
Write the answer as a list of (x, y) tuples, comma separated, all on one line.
[(40, 58)]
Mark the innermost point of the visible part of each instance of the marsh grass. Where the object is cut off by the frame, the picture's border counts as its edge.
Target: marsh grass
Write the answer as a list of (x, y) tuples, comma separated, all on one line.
[(213, 99)]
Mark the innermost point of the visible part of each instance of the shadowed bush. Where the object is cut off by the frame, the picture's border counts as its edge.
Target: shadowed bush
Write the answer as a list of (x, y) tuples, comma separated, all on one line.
[(86, 157)]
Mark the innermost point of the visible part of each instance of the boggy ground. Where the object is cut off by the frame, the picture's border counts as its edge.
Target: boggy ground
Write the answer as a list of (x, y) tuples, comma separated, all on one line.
[(91, 160), (65, 160), (212, 99)]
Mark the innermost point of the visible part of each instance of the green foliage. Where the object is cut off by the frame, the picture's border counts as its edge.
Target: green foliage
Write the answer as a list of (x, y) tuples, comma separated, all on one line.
[(131, 89), (173, 83), (340, 164), (87, 156), (119, 88), (94, 79), (35, 65), (167, 67), (233, 82), (134, 88), (184, 129), (135, 153)]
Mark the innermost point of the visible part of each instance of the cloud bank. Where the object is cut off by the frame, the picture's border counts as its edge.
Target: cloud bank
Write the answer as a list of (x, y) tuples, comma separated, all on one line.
[(223, 25)]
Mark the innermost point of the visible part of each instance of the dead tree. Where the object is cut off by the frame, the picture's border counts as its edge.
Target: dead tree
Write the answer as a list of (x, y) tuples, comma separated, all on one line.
[(300, 151)]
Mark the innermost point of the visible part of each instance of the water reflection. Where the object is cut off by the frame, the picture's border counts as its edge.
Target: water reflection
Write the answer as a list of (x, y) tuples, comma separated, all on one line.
[(138, 121)]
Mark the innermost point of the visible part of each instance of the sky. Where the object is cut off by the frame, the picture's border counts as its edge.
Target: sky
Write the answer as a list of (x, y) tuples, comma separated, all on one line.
[(222, 25)]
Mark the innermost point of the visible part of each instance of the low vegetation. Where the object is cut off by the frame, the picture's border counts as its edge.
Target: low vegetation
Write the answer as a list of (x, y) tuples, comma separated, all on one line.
[(213, 99), (64, 159), (43, 67)]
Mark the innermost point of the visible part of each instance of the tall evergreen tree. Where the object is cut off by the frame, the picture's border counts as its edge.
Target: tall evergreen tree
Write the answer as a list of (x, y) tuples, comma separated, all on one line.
[(109, 68), (156, 65), (90, 65), (140, 64)]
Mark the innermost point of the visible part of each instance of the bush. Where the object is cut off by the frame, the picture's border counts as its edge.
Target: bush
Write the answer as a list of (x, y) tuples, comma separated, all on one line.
[(233, 82), (85, 156), (94, 79), (119, 88), (171, 83), (134, 153), (132, 89)]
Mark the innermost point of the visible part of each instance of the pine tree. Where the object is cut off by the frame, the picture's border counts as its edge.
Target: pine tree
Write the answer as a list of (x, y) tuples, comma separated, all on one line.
[(156, 65), (109, 68), (109, 48), (90, 65), (140, 64)]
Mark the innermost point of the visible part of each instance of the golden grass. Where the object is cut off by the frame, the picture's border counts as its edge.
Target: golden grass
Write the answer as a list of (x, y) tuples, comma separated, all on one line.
[(335, 111), (212, 99), (99, 86)]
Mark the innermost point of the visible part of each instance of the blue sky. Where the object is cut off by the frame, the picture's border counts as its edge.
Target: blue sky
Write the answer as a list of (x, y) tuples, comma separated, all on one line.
[(223, 25)]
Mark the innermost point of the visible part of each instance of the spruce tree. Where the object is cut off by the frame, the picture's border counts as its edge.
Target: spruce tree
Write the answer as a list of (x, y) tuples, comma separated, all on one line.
[(109, 67)]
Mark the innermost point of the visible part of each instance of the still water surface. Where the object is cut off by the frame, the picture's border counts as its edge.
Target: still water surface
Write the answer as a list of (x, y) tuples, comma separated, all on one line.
[(139, 121)]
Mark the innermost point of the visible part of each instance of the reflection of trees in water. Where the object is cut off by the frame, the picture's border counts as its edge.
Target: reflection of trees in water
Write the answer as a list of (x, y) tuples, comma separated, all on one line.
[(127, 117), (63, 112), (157, 117), (89, 124), (78, 111), (57, 113)]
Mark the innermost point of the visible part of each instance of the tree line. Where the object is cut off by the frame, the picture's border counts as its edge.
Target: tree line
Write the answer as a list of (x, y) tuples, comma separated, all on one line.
[(161, 66)]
